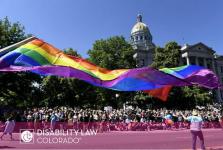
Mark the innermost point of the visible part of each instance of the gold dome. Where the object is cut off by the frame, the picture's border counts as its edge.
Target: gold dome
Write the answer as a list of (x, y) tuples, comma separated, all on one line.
[(139, 26)]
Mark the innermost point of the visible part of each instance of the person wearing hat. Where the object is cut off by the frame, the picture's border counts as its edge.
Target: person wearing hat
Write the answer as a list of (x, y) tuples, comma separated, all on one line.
[(195, 128)]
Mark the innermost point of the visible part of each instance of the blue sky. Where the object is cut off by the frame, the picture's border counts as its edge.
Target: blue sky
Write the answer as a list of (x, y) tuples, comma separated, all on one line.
[(78, 23)]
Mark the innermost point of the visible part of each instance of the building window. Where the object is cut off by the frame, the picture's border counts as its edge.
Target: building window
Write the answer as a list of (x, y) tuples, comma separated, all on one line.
[(141, 63), (137, 38), (221, 69), (150, 38), (201, 61), (209, 66), (145, 37), (184, 61), (140, 37), (209, 63), (192, 60)]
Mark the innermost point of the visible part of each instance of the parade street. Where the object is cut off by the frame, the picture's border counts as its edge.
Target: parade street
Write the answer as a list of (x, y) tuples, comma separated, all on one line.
[(157, 139)]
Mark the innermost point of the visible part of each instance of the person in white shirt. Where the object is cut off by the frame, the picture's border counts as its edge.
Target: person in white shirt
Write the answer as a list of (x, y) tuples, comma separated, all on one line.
[(9, 127), (195, 128)]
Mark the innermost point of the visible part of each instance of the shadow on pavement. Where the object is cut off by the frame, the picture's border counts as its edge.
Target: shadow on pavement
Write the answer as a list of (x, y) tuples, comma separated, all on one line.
[(3, 147)]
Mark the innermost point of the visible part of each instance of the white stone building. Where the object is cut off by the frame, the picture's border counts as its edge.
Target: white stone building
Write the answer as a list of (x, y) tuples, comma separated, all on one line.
[(141, 40), (197, 54)]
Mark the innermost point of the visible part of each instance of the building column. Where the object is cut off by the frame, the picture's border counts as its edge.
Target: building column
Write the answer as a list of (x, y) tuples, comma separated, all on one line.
[(205, 63), (219, 98), (188, 60), (213, 65), (196, 61)]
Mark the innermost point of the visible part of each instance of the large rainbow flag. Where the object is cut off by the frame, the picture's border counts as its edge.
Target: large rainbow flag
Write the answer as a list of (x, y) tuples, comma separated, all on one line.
[(37, 56)]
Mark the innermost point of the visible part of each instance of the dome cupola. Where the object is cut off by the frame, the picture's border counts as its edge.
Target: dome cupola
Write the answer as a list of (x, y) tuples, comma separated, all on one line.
[(139, 26), (140, 35), (141, 41)]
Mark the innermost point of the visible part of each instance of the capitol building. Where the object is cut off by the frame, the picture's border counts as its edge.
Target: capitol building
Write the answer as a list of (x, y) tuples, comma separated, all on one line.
[(196, 54)]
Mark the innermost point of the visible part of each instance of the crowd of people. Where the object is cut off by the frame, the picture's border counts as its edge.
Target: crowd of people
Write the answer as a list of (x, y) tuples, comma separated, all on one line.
[(113, 119)]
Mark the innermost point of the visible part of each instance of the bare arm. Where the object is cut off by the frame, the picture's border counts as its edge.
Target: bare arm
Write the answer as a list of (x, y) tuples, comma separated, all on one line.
[(185, 118)]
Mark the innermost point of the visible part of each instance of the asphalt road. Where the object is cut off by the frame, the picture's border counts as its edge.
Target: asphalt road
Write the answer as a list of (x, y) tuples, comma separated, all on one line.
[(122, 140)]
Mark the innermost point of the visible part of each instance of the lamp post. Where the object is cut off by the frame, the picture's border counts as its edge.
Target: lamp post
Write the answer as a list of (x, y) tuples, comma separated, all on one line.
[(135, 58), (211, 95), (116, 97), (77, 98), (1, 99)]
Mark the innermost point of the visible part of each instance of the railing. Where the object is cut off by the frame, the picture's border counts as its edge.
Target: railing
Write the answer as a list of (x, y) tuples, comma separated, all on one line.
[(104, 126)]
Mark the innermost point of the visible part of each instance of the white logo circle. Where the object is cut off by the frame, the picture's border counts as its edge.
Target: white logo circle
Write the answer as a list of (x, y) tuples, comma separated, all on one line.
[(26, 136)]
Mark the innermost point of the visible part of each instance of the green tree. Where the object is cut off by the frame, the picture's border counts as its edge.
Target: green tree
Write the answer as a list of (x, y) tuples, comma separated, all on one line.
[(16, 89), (180, 97), (169, 56), (11, 33), (67, 91), (71, 51), (112, 53), (202, 96)]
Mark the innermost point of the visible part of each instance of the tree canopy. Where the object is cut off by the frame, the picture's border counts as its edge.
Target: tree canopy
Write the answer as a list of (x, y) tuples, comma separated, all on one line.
[(112, 53), (169, 56), (28, 89), (16, 89), (180, 97), (11, 33), (66, 91)]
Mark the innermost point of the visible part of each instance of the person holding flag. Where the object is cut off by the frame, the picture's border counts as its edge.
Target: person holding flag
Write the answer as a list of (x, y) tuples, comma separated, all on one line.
[(195, 129)]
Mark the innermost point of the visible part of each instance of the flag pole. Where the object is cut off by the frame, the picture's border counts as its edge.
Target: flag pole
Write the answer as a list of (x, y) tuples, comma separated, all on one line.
[(16, 45)]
